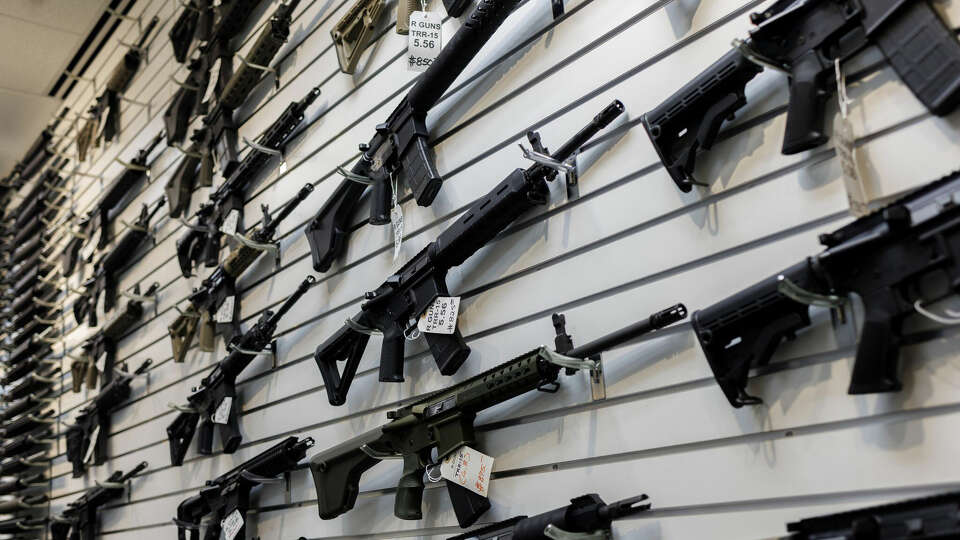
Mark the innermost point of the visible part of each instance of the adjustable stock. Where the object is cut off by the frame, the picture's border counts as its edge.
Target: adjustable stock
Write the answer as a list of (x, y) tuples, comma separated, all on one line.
[(347, 345)]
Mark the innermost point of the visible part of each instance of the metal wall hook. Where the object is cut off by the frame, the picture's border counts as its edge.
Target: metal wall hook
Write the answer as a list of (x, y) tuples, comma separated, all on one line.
[(119, 15), (568, 362), (44, 321), (182, 408), (556, 533), (952, 318), (747, 51), (547, 161), (132, 166), (257, 479), (71, 75), (357, 327), (376, 454), (186, 152), (110, 485), (263, 149), (797, 293), (187, 314), (273, 248), (354, 177), (267, 69), (140, 297), (186, 524), (193, 227), (134, 226), (43, 303), (265, 351), (184, 85)]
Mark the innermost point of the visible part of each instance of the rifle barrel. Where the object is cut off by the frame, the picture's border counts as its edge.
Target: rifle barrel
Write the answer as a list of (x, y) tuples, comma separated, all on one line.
[(654, 322)]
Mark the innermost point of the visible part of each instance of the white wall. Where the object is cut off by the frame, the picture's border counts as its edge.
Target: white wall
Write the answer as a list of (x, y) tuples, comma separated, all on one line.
[(632, 244)]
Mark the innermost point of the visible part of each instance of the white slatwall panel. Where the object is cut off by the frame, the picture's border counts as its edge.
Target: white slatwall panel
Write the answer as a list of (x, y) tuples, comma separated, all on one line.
[(630, 245)]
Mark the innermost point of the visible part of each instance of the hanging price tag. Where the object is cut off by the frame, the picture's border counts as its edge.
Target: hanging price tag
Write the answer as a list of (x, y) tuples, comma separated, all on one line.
[(468, 468), (857, 191), (231, 222), (424, 39), (222, 414), (225, 313), (101, 363), (396, 221), (441, 316), (231, 525)]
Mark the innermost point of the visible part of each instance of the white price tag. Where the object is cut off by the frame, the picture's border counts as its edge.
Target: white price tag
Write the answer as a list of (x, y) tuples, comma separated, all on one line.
[(396, 220), (225, 313), (101, 363), (441, 316), (424, 40), (231, 525), (90, 246), (468, 468), (230, 223), (857, 191), (222, 414)]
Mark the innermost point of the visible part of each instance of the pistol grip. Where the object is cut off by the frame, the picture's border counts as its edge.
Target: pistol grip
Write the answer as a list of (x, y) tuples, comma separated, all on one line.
[(230, 432), (409, 501), (382, 197), (205, 437), (808, 99), (77, 372), (911, 42), (346, 345), (391, 357), (186, 246), (211, 250), (207, 333), (875, 367), (449, 351)]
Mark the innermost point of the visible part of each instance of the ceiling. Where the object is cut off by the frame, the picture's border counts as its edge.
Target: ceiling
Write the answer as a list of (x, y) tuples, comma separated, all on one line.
[(38, 39)]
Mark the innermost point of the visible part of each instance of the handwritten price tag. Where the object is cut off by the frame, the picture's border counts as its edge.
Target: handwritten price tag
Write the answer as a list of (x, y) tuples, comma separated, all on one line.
[(424, 40), (468, 468), (222, 414), (225, 313), (441, 316), (231, 525)]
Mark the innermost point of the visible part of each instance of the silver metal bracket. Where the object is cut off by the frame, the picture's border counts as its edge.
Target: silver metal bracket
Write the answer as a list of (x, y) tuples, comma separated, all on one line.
[(272, 247), (92, 82), (598, 385), (556, 533), (376, 454), (182, 408), (143, 104), (568, 362), (186, 152), (797, 293), (268, 69), (747, 51), (269, 350), (353, 177), (257, 479), (357, 327)]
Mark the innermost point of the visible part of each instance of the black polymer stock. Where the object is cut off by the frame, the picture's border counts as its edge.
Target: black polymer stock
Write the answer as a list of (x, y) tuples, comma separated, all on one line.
[(202, 241), (400, 149), (409, 292), (441, 423), (218, 389), (896, 260), (805, 38), (230, 492), (194, 22)]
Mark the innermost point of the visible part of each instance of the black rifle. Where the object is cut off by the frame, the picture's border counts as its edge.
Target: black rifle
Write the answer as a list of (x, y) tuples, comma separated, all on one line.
[(12, 484), (111, 203), (194, 22), (925, 518), (585, 514), (27, 423), (407, 294), (24, 406), (221, 142), (105, 272), (103, 344), (214, 401), (79, 520), (400, 150), (20, 504), (71, 252), (39, 152), (31, 527), (199, 319), (229, 493), (883, 258), (28, 443), (805, 38), (87, 437), (202, 241), (36, 383), (444, 421), (195, 169), (233, 17), (119, 82), (17, 465)]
